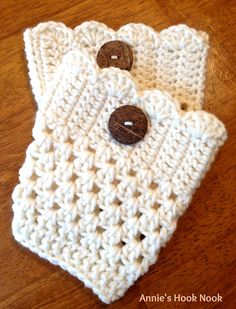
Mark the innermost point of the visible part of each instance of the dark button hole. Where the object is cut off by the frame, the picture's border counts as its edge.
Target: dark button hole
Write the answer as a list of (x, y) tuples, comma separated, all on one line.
[(55, 206), (77, 218), (155, 206), (95, 189), (140, 259), (153, 186), (100, 230), (136, 194), (132, 173), (117, 202), (54, 186), (173, 196), (90, 149), (141, 236), (184, 106), (112, 161)]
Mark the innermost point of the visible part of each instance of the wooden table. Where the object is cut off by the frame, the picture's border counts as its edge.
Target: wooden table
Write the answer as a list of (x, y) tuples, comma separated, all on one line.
[(200, 258)]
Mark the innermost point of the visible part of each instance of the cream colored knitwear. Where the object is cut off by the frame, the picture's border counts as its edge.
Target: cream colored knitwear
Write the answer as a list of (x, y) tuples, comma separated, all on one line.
[(173, 59), (100, 209)]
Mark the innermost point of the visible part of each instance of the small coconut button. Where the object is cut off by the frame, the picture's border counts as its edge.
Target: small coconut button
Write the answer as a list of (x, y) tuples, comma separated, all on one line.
[(128, 124), (115, 54)]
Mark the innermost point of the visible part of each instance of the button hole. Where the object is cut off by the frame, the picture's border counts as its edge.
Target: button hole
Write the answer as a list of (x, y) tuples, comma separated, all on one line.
[(128, 123), (114, 57)]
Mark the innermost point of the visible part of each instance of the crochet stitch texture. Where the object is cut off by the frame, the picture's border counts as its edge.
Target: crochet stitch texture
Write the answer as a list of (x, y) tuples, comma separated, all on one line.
[(173, 60), (100, 209)]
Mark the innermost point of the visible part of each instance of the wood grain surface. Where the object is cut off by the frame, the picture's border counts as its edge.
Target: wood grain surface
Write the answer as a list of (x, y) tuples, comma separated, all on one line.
[(200, 258)]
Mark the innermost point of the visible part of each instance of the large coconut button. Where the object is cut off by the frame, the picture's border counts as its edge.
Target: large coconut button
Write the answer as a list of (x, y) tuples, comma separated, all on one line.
[(115, 54), (128, 124)]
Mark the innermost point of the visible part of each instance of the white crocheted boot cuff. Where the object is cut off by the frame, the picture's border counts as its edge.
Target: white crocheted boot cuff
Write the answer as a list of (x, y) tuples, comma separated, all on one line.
[(100, 209), (173, 60)]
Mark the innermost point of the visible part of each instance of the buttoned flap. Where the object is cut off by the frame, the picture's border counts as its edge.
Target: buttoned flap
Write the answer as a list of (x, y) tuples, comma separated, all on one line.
[(173, 59), (178, 146)]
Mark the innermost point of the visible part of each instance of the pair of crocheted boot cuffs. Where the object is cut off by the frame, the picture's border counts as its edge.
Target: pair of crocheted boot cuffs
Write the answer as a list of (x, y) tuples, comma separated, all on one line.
[(120, 145)]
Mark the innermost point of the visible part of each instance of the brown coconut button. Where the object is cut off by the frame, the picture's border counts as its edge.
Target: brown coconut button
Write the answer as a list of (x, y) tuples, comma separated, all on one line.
[(115, 54), (128, 124)]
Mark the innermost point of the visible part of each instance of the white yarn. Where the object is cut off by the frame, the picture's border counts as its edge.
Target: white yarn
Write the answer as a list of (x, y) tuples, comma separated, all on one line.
[(100, 209), (173, 60)]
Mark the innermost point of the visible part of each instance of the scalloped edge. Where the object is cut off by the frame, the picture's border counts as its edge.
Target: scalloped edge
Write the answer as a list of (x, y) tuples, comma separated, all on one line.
[(36, 81)]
